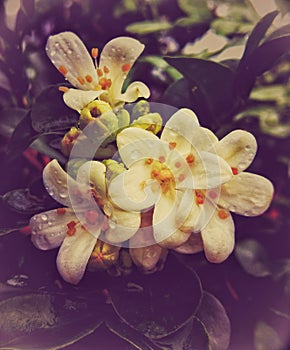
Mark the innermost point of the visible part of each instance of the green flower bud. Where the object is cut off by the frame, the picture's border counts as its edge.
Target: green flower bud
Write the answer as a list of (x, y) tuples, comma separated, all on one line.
[(69, 140), (103, 256), (113, 168), (141, 108), (151, 122), (92, 111), (123, 118)]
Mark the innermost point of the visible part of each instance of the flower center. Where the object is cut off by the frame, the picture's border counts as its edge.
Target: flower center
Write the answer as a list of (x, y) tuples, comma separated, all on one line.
[(163, 175)]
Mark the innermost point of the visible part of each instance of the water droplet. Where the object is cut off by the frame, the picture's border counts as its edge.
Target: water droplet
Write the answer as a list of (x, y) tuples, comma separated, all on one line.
[(247, 148), (58, 180), (33, 232), (52, 53), (56, 44), (69, 52), (40, 226), (112, 224), (49, 223), (113, 49), (63, 194), (44, 217)]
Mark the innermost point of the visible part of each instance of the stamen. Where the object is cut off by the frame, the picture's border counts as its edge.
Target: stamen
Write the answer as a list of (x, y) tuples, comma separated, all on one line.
[(126, 67), (105, 83), (161, 159), (199, 197), (63, 89), (95, 52), (149, 161), (109, 83), (99, 72), (60, 211), (71, 228), (181, 177), (235, 171), (106, 70), (190, 159), (172, 145), (81, 80), (154, 173), (89, 79), (62, 70), (222, 214)]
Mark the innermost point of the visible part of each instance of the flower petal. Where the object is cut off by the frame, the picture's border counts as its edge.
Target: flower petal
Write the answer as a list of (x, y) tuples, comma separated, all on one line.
[(134, 190), (119, 55), (58, 183), (238, 148), (49, 229), (134, 91), (192, 245), (135, 144), (69, 55), (166, 232), (93, 172), (247, 194), (178, 129), (203, 139), (218, 237), (149, 258), (78, 99), (122, 225), (74, 254)]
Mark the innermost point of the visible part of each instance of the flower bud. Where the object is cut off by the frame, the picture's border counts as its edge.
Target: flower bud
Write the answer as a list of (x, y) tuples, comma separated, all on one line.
[(103, 256), (92, 111), (113, 169), (151, 122), (141, 108), (123, 118), (69, 140)]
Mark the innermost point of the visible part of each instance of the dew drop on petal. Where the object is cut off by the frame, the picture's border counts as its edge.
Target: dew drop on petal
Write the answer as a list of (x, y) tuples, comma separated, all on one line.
[(52, 53), (63, 195), (112, 224), (44, 217)]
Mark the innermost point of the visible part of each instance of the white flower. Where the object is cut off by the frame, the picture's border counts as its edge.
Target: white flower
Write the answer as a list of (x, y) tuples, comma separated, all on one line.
[(70, 56), (164, 172), (89, 213), (245, 194)]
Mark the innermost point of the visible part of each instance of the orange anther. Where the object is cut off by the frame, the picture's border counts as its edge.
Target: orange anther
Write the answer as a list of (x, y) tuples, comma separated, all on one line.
[(190, 159), (100, 72), (106, 70), (222, 214), (161, 159), (172, 145), (199, 197), (154, 173), (95, 52), (71, 228), (63, 89), (109, 83), (62, 70), (89, 79), (60, 211), (235, 171), (149, 161), (126, 67), (81, 80)]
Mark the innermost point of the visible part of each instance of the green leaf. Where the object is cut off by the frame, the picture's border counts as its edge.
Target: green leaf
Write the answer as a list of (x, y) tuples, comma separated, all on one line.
[(158, 304), (266, 338), (196, 9), (160, 63), (49, 112), (253, 258), (213, 80), (258, 33), (10, 118), (23, 201), (148, 27), (122, 330), (261, 60), (275, 93), (46, 321), (216, 322)]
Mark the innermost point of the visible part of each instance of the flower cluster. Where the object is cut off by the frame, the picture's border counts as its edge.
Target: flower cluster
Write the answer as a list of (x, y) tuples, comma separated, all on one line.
[(175, 191)]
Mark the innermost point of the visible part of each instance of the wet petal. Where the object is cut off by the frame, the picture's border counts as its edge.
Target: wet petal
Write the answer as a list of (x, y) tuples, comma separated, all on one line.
[(78, 99), (94, 173), (134, 190), (122, 225), (166, 232), (179, 128), (58, 183), (69, 55), (247, 194), (74, 254), (238, 148), (119, 55), (192, 245), (136, 144), (218, 236), (49, 229), (134, 91)]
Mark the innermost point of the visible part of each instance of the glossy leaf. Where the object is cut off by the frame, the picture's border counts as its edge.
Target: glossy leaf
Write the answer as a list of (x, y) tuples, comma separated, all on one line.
[(158, 304), (148, 27), (49, 113), (216, 322), (213, 80), (257, 34), (196, 9), (43, 321), (23, 201), (253, 258)]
